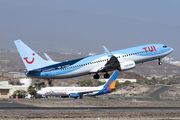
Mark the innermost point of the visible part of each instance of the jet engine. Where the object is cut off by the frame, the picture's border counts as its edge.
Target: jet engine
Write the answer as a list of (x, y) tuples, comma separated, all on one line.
[(127, 65), (74, 95)]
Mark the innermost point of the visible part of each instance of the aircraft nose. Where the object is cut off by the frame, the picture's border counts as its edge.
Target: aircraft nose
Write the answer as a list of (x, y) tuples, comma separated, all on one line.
[(39, 92), (171, 49)]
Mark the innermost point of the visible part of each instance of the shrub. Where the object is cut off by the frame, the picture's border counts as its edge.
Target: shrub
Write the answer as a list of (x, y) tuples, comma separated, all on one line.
[(170, 83), (126, 83), (12, 82), (89, 83), (16, 83), (118, 84), (161, 82), (83, 83), (100, 83), (32, 90), (86, 83), (19, 93)]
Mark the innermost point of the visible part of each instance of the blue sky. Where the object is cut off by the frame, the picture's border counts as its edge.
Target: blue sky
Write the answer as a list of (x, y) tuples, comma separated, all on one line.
[(162, 11), (87, 25)]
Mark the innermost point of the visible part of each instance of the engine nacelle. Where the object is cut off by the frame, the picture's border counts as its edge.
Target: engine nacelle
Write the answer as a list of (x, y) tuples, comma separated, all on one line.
[(127, 65), (74, 95)]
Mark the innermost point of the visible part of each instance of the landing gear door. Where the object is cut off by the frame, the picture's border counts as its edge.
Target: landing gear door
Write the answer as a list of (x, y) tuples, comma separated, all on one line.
[(158, 49)]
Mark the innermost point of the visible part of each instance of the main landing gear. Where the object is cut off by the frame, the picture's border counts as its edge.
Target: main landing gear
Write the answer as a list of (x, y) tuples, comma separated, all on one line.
[(96, 76), (106, 75), (81, 96), (160, 63)]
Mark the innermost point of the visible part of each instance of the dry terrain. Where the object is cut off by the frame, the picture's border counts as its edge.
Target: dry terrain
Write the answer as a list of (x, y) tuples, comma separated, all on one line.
[(90, 115), (93, 114), (172, 94)]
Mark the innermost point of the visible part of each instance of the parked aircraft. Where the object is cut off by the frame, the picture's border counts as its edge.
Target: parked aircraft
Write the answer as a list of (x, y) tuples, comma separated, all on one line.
[(121, 60), (75, 92)]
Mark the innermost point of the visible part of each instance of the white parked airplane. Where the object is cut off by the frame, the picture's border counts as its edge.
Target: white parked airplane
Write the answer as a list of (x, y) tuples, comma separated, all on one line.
[(76, 92), (117, 60)]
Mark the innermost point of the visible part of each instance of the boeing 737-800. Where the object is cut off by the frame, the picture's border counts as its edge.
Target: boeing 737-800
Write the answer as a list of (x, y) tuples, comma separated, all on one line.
[(76, 92), (121, 60)]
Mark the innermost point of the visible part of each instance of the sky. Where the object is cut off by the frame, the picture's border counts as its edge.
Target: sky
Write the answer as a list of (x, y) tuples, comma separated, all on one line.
[(87, 25), (161, 11)]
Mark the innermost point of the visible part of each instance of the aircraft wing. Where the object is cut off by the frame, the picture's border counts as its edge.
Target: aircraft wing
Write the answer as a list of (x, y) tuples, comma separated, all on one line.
[(85, 92), (112, 63), (34, 71), (107, 52), (19, 72)]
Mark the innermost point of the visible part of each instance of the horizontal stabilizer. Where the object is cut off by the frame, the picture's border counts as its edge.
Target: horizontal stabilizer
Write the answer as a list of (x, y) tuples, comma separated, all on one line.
[(19, 72), (48, 58), (34, 72)]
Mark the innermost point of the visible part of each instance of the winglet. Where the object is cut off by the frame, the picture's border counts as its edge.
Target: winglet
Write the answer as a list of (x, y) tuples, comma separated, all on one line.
[(107, 52)]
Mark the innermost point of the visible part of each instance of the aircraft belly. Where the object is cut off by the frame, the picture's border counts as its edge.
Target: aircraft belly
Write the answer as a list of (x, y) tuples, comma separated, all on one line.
[(75, 73)]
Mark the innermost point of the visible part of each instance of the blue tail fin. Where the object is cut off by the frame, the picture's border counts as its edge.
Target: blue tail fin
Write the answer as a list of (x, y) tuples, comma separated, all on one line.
[(110, 84), (30, 58)]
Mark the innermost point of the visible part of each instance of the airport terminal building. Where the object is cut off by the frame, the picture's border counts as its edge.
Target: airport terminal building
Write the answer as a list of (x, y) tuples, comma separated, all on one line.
[(6, 90)]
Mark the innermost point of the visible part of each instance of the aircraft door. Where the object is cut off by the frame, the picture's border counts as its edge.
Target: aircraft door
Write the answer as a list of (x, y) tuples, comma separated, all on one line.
[(158, 49), (53, 71)]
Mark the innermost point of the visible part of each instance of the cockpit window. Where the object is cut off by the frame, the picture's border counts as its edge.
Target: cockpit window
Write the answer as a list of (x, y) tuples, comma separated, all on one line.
[(165, 46)]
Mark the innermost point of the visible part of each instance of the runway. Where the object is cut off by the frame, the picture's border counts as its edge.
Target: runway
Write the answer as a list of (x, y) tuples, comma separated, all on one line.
[(156, 93), (6, 105), (14, 110), (88, 108)]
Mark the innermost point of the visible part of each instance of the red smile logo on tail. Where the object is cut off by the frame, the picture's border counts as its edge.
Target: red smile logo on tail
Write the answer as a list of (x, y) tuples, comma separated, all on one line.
[(29, 62)]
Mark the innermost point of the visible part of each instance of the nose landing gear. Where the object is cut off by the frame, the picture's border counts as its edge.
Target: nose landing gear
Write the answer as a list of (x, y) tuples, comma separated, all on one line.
[(160, 63)]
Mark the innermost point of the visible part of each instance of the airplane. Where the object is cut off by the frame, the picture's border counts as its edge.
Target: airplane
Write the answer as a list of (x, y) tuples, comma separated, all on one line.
[(75, 92), (121, 60)]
